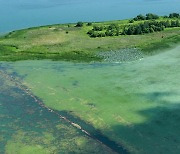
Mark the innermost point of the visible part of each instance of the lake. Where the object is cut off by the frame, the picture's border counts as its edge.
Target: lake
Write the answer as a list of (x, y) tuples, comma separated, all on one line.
[(133, 105), (64, 107), (24, 13)]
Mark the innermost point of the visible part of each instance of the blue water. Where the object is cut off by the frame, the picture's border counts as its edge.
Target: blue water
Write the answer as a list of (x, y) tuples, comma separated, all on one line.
[(17, 14)]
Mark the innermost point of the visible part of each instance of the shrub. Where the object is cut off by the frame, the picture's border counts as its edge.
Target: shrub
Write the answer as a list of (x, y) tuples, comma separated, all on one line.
[(131, 21), (149, 27), (151, 16), (140, 17), (79, 24), (98, 28), (174, 15), (89, 24)]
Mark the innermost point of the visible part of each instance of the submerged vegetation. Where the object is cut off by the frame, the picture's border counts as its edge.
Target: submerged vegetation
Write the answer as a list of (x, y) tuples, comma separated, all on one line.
[(72, 41), (134, 104)]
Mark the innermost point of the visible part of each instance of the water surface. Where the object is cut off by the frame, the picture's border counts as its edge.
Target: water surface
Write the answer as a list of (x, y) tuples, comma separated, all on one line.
[(24, 13), (135, 104), (27, 126)]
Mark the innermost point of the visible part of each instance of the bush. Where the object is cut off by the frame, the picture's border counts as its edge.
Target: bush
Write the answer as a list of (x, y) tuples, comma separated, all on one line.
[(113, 27), (140, 17), (89, 24), (131, 21), (151, 16), (174, 15), (79, 24), (98, 28), (165, 16), (177, 23), (149, 27), (148, 16)]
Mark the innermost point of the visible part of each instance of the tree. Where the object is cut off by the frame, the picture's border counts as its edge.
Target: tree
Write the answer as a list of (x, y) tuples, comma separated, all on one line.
[(131, 30), (145, 27), (113, 27), (90, 32), (138, 30), (79, 24), (177, 23), (131, 21), (109, 33), (174, 15), (165, 16), (151, 16), (140, 17), (89, 24), (98, 28), (173, 23), (167, 24)]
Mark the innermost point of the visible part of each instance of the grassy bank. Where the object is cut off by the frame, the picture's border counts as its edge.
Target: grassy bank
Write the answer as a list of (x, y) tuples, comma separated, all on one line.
[(67, 42)]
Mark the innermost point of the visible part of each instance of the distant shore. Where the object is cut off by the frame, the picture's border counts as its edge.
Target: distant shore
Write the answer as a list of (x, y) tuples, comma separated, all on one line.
[(71, 42)]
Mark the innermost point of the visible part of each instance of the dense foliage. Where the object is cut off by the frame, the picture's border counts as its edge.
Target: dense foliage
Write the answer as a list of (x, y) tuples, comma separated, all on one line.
[(134, 29), (102, 31), (151, 16), (174, 15), (148, 16), (151, 24), (149, 27), (89, 23), (79, 24)]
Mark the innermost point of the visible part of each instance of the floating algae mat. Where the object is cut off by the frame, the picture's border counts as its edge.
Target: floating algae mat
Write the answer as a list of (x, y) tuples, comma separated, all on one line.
[(28, 127), (127, 107)]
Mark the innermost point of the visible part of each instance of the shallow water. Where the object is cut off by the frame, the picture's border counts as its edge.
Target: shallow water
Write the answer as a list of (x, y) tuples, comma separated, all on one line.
[(24, 13), (134, 104), (27, 126)]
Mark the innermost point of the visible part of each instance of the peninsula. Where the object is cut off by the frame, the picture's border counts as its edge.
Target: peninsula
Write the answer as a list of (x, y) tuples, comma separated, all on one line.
[(83, 41)]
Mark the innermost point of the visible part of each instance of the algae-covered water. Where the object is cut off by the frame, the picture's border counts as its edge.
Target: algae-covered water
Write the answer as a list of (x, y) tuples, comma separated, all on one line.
[(125, 107), (27, 126)]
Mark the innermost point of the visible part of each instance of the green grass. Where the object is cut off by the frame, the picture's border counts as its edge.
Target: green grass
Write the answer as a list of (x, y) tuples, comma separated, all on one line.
[(52, 42)]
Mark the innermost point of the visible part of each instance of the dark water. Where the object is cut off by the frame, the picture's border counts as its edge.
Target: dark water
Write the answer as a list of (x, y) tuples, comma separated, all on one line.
[(28, 127), (133, 105), (24, 13), (26, 122)]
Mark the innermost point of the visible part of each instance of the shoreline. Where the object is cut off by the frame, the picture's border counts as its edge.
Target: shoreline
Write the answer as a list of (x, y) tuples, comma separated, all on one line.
[(70, 43)]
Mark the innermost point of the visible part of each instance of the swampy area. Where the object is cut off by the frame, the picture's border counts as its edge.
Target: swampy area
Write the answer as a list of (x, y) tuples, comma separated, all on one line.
[(91, 87), (127, 107)]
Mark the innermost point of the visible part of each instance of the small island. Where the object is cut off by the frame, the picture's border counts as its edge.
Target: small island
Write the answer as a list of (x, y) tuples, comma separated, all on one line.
[(83, 41)]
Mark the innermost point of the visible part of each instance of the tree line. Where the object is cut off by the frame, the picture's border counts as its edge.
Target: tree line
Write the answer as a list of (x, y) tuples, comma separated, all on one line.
[(102, 31), (149, 27), (135, 29), (151, 16)]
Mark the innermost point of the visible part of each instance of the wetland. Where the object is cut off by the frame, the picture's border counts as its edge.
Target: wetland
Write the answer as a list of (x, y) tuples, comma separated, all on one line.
[(90, 88)]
